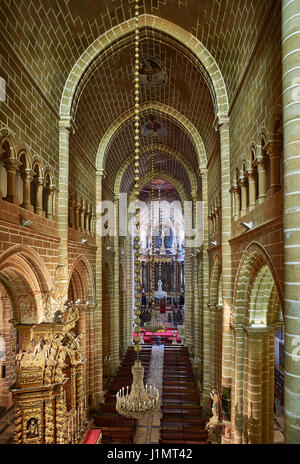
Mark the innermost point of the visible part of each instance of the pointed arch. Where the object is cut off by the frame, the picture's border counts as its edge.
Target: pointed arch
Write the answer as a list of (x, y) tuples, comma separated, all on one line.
[(187, 125), (254, 259), (118, 32), (81, 281)]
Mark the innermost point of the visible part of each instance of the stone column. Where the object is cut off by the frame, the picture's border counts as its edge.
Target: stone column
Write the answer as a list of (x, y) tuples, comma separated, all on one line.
[(188, 293), (197, 309), (76, 208), (98, 371), (291, 151), (255, 385), (39, 185), (243, 184), (233, 201), (63, 194), (92, 353), (50, 192), (11, 167), (262, 177), (71, 216), (82, 213), (252, 189), (223, 125), (27, 178), (115, 309), (274, 151), (188, 284), (237, 202), (205, 319), (213, 337), (237, 385), (9, 335)]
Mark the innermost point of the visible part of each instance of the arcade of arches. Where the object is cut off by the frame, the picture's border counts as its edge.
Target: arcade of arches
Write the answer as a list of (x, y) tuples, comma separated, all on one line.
[(220, 114)]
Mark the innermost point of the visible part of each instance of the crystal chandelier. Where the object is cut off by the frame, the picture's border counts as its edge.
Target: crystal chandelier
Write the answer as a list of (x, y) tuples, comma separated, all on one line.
[(140, 400)]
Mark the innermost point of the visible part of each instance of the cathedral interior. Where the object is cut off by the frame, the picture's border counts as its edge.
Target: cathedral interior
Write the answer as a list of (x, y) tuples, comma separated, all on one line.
[(150, 221)]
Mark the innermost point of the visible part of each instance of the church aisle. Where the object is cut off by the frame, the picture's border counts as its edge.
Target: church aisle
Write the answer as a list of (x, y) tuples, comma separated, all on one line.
[(148, 428)]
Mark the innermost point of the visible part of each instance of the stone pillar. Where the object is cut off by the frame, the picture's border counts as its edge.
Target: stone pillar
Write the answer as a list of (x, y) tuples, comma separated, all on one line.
[(223, 125), (233, 201), (262, 177), (11, 167), (291, 150), (98, 354), (92, 353), (71, 216), (252, 189), (213, 340), (115, 310), (205, 340), (243, 184), (196, 303), (82, 214), (238, 387), (255, 385), (50, 193), (39, 185), (27, 178), (10, 339), (188, 284), (237, 202), (274, 151), (76, 214), (291, 131), (63, 194)]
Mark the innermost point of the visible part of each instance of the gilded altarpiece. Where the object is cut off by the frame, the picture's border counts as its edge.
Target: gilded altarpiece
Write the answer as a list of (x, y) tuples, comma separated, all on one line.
[(49, 396)]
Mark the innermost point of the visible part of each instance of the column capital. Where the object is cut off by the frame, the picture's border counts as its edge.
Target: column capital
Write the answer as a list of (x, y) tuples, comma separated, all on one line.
[(101, 173), (66, 122), (273, 149), (12, 164), (261, 160), (27, 174), (222, 122)]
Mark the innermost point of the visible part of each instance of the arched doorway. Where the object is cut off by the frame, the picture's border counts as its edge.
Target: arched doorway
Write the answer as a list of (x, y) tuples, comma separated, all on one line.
[(257, 316)]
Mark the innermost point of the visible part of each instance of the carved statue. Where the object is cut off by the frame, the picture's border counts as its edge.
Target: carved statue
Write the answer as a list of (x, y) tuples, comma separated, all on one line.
[(32, 430), (216, 406)]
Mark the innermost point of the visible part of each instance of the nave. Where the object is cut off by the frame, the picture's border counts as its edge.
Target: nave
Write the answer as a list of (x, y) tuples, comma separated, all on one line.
[(149, 220), (179, 418)]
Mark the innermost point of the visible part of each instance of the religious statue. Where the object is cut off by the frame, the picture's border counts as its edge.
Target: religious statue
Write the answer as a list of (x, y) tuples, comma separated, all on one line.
[(216, 406), (160, 293), (217, 423), (32, 428)]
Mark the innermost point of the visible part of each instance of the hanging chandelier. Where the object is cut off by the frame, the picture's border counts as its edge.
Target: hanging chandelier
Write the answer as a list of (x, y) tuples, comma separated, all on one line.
[(139, 400)]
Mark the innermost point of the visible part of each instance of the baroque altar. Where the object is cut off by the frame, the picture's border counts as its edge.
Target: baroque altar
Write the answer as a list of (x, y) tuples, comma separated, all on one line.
[(50, 393)]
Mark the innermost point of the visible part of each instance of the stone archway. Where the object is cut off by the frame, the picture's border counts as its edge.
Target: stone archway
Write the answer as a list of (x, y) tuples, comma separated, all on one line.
[(255, 321), (25, 289)]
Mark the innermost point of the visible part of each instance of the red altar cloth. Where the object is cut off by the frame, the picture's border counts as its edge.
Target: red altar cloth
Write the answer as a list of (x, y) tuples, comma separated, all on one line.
[(167, 334), (92, 437)]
